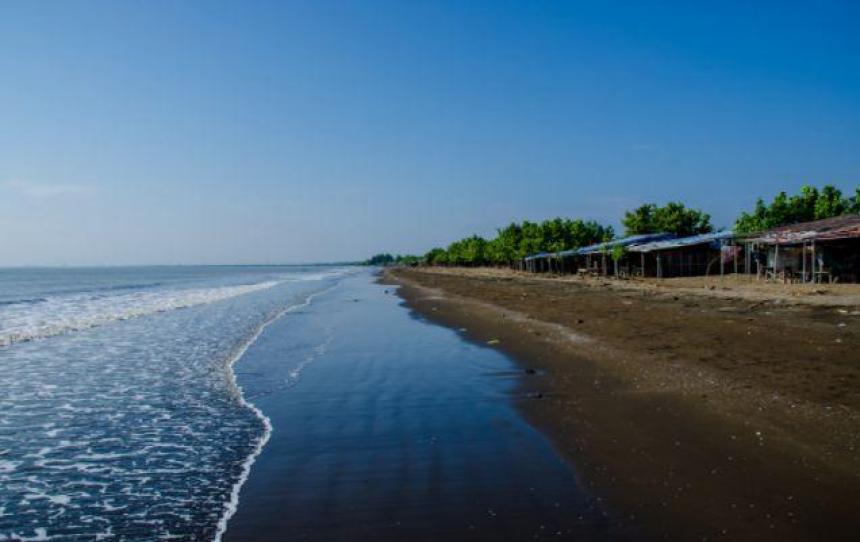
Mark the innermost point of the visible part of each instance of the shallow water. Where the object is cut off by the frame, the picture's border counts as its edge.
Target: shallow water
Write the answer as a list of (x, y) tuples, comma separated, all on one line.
[(119, 417), (396, 429)]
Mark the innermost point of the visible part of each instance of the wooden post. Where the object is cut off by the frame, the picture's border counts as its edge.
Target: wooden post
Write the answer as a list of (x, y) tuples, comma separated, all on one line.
[(735, 253), (722, 265), (642, 260), (775, 259), (803, 259), (813, 261)]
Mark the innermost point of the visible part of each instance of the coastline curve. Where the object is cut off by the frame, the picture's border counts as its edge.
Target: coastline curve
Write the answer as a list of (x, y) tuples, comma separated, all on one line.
[(232, 505)]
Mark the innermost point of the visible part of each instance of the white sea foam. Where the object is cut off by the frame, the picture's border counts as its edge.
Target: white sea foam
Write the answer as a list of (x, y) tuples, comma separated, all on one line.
[(232, 505), (322, 275), (115, 429), (54, 316), (317, 352)]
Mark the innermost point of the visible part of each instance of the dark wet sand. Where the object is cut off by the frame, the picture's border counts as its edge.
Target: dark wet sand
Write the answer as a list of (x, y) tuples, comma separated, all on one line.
[(398, 429), (695, 418)]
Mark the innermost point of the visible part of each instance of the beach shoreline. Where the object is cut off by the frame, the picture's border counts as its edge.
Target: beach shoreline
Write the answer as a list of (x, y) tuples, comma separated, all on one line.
[(696, 416), (390, 428)]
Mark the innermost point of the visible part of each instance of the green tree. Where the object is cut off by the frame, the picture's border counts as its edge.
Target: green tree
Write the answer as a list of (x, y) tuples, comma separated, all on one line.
[(830, 203), (475, 251), (810, 204), (554, 235), (854, 202), (754, 221), (380, 259), (505, 247), (436, 256), (531, 241), (516, 241), (640, 220), (408, 259), (673, 217), (583, 233), (803, 205)]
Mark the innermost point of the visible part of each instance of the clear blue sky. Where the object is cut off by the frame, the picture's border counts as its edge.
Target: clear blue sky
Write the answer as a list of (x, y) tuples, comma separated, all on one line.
[(209, 132)]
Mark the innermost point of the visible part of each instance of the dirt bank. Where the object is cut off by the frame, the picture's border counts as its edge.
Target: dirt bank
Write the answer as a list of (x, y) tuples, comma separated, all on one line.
[(696, 415)]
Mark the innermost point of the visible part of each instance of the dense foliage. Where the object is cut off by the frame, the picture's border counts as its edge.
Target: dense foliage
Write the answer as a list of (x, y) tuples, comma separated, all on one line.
[(380, 259), (673, 217), (388, 259), (809, 204), (517, 241)]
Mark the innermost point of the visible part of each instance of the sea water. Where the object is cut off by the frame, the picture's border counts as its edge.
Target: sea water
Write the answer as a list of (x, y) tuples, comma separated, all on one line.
[(398, 430), (120, 416)]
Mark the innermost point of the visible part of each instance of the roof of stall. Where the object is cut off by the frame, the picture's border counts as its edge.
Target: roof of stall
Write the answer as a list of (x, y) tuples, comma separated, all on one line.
[(828, 229), (607, 245), (538, 256), (624, 242), (681, 242)]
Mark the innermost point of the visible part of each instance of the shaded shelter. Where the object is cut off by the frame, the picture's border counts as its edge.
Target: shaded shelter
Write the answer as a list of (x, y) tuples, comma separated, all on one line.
[(595, 258), (825, 250), (687, 256), (538, 263), (598, 258)]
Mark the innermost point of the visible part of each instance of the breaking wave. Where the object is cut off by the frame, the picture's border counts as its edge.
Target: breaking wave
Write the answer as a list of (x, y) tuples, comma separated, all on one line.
[(136, 430), (27, 321)]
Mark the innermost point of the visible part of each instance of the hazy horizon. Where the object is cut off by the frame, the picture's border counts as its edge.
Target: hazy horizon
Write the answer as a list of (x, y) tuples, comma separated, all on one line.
[(296, 132)]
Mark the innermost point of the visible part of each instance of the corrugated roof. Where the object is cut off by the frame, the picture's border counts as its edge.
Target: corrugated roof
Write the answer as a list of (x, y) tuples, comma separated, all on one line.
[(608, 245), (681, 242), (624, 242), (538, 255), (828, 229)]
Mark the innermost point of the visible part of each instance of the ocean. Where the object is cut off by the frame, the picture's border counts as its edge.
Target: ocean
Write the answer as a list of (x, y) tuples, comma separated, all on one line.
[(260, 403), (120, 417)]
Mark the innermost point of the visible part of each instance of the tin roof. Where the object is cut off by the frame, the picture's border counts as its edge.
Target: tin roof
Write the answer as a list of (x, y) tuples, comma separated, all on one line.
[(538, 256), (607, 245), (672, 244), (624, 242), (828, 229)]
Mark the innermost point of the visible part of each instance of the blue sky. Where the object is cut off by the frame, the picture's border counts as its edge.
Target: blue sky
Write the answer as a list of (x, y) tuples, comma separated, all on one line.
[(243, 132)]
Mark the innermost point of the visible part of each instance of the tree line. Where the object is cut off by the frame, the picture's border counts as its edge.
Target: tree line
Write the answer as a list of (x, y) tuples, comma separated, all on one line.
[(388, 259), (518, 240), (809, 204)]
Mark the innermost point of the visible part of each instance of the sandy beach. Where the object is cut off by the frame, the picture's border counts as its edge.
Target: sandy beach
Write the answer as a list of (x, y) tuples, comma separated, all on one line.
[(387, 427), (699, 409)]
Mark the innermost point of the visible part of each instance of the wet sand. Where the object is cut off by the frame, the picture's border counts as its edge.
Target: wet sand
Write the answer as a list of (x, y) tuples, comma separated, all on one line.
[(389, 427), (695, 416)]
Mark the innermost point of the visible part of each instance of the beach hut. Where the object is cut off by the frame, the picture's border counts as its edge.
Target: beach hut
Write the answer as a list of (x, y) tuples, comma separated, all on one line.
[(825, 250), (704, 254), (538, 263), (599, 258), (596, 258)]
